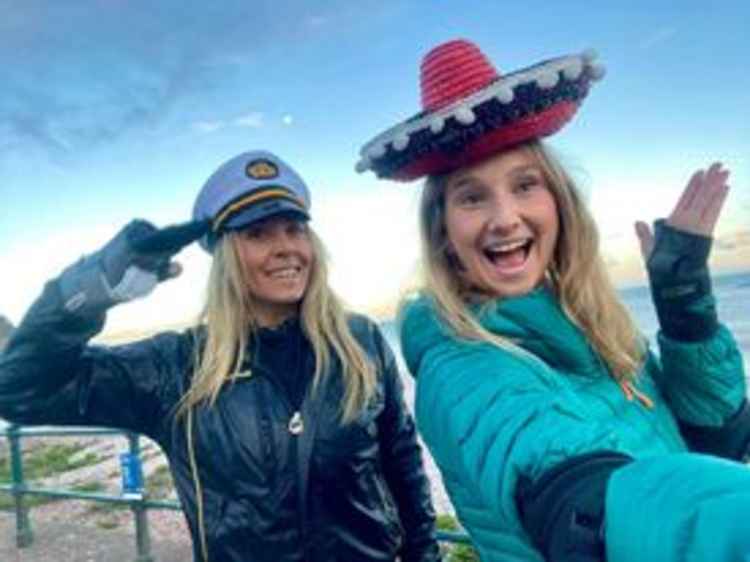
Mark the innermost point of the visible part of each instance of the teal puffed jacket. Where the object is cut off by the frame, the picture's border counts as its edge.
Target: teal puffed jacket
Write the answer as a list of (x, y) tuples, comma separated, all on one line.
[(491, 416)]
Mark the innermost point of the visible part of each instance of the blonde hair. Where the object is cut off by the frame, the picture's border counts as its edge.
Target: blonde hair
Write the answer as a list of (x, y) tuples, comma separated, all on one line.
[(230, 320), (577, 273)]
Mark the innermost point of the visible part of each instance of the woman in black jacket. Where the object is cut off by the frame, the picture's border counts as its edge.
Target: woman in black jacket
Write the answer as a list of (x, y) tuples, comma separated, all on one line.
[(282, 416)]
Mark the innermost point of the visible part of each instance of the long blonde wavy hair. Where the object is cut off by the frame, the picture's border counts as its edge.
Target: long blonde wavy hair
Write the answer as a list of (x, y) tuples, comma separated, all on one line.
[(230, 320), (577, 273)]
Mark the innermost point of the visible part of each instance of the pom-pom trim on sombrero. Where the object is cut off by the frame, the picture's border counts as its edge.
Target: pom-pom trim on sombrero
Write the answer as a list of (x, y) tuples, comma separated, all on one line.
[(530, 103)]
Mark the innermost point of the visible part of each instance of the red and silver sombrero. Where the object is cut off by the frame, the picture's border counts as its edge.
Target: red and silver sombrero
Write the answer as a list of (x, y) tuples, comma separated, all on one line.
[(470, 111)]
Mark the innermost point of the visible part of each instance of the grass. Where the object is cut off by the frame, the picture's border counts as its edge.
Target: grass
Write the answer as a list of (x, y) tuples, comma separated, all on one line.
[(7, 503), (455, 552), (42, 462), (159, 484), (48, 460)]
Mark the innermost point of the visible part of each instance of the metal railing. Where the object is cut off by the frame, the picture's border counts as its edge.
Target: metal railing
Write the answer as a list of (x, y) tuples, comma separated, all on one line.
[(19, 488)]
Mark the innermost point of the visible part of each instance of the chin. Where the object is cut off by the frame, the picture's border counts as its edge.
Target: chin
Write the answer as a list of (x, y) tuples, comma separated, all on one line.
[(514, 288)]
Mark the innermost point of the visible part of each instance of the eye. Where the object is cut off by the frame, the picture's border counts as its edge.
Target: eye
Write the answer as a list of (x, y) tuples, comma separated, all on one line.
[(469, 197), (528, 183), (296, 228), (253, 233)]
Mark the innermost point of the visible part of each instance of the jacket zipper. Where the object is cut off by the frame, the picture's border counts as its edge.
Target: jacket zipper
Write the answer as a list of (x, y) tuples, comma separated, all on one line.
[(295, 426)]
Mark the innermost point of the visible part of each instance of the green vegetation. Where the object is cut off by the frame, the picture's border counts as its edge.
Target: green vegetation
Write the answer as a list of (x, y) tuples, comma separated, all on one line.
[(42, 462), (48, 460), (455, 552), (159, 483), (90, 487), (7, 503)]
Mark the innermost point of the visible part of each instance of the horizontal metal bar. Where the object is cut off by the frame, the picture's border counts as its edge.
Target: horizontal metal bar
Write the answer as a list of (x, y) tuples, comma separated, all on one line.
[(44, 431), (90, 496), (24, 431), (453, 536)]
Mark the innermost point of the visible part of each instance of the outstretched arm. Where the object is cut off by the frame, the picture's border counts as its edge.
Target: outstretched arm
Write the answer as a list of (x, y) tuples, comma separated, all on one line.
[(702, 372), (48, 373)]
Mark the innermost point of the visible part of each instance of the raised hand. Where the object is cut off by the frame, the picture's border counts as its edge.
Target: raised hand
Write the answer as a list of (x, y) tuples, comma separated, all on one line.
[(676, 257), (129, 266), (697, 210)]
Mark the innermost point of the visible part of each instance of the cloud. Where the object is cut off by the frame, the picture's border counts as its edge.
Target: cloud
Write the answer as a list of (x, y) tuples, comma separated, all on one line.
[(76, 75), (317, 21), (658, 37), (287, 120), (253, 120), (208, 126), (733, 241)]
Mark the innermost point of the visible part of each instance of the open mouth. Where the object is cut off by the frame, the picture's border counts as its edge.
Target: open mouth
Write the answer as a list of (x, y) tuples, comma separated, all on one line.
[(508, 256), (286, 273)]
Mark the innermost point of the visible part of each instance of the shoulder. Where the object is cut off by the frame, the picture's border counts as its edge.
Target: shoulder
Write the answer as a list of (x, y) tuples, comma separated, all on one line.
[(361, 325), (368, 334), (421, 328)]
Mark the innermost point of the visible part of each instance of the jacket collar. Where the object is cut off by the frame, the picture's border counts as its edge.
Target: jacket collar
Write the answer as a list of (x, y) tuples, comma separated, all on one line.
[(534, 322), (537, 323)]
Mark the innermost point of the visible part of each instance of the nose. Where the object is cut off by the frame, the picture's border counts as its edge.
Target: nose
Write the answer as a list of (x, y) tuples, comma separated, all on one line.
[(504, 216), (283, 243)]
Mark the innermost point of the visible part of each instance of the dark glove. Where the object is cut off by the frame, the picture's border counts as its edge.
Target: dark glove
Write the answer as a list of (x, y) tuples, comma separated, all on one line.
[(128, 267), (681, 283)]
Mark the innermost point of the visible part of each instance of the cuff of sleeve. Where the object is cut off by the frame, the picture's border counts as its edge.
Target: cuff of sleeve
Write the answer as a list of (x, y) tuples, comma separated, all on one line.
[(706, 379), (730, 440), (681, 284)]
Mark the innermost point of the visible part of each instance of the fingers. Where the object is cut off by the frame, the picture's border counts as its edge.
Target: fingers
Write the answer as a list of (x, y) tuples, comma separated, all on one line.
[(688, 195), (645, 239), (169, 270), (711, 213), (700, 204), (171, 239)]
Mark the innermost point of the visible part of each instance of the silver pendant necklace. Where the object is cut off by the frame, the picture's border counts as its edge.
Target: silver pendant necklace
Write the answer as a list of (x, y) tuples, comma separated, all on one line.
[(296, 425)]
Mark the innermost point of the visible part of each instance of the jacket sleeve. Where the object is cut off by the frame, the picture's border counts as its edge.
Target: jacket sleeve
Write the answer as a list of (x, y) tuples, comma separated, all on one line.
[(404, 471), (702, 374), (704, 384), (49, 374)]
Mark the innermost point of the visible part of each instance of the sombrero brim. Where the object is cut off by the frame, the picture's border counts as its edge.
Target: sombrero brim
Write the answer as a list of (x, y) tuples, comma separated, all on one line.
[(531, 103)]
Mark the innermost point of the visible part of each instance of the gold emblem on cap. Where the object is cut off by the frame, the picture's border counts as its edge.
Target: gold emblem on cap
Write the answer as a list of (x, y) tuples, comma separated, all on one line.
[(261, 170)]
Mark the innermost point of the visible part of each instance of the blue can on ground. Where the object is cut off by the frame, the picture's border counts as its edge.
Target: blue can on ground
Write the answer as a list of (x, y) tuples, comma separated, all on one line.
[(132, 475)]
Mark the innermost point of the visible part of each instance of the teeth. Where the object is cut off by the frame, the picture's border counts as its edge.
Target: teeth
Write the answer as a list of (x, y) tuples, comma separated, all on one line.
[(506, 246), (286, 273)]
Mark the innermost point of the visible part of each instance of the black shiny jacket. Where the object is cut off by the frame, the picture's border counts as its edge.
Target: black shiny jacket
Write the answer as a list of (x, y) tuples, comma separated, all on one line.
[(354, 492)]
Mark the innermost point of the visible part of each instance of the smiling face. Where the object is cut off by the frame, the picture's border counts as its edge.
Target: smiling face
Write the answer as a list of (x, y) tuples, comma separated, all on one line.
[(502, 224), (277, 257)]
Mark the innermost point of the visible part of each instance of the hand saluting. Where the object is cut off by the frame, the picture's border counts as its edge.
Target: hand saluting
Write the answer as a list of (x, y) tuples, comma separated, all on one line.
[(129, 266), (697, 210)]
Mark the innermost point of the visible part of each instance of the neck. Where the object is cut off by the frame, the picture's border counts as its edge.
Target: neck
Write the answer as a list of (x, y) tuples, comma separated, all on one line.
[(272, 318)]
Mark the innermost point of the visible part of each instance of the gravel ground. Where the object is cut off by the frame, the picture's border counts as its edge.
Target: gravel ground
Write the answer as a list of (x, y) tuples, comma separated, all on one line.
[(68, 532), (83, 531)]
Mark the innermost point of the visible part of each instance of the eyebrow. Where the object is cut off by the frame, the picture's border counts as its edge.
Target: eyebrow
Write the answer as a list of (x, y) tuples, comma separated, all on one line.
[(513, 172), (519, 170)]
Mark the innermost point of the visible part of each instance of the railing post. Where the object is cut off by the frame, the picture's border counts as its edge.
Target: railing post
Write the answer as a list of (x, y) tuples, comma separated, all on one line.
[(24, 534), (142, 537)]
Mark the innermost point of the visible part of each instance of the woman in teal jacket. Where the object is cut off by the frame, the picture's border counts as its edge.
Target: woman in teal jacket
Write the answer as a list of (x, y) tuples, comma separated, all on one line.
[(559, 434)]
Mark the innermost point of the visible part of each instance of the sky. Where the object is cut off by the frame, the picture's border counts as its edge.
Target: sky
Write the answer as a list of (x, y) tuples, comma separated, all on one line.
[(117, 109)]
